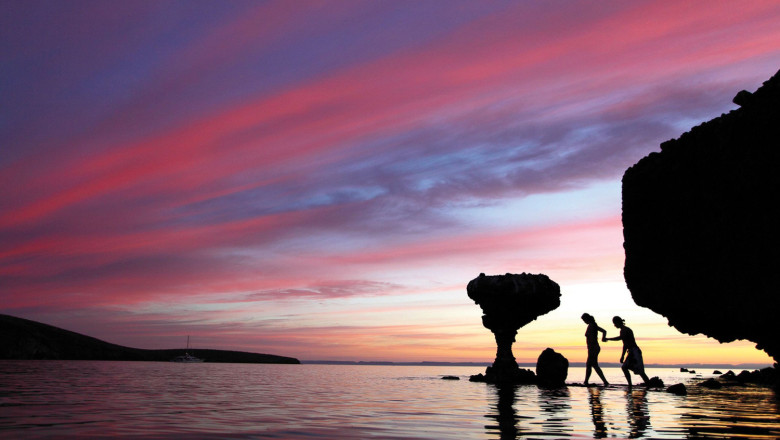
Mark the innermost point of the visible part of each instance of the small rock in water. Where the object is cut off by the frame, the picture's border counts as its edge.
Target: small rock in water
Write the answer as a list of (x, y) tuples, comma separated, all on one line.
[(678, 389), (655, 382), (552, 369), (450, 378), (716, 372)]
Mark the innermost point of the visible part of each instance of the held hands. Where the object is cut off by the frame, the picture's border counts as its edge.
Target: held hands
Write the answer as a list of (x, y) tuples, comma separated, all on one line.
[(604, 338)]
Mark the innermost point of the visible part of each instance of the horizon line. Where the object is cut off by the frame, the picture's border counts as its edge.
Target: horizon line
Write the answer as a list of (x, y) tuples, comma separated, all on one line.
[(746, 365)]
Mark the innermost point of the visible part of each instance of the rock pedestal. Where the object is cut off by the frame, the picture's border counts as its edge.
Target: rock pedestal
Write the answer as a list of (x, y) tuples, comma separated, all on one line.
[(508, 303)]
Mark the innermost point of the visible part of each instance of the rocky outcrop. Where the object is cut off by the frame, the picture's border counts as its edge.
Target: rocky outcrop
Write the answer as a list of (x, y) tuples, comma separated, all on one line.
[(701, 229), (765, 376), (552, 368), (508, 303), (503, 375)]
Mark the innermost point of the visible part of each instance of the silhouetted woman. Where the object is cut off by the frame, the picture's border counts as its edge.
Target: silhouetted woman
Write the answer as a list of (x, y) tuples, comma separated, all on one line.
[(631, 352), (592, 339)]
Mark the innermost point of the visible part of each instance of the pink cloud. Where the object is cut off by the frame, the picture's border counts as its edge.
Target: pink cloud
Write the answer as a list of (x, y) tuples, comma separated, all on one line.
[(326, 114), (589, 234), (367, 155)]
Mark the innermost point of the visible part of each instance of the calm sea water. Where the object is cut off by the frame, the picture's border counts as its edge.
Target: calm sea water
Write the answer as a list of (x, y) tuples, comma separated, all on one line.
[(50, 399)]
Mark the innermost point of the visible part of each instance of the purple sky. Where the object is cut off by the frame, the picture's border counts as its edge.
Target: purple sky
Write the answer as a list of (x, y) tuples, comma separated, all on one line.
[(322, 179)]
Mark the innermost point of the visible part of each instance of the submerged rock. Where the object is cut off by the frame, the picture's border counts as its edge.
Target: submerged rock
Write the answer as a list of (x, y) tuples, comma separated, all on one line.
[(552, 368), (711, 384), (701, 229), (678, 389), (509, 302)]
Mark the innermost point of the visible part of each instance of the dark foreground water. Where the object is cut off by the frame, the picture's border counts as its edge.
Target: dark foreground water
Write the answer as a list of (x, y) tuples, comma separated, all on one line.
[(44, 399)]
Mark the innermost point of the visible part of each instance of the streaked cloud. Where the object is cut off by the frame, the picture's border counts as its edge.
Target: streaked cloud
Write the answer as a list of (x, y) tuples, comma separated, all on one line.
[(189, 157)]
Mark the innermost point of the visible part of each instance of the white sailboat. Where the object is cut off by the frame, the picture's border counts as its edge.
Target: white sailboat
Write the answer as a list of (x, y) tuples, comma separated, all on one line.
[(187, 357)]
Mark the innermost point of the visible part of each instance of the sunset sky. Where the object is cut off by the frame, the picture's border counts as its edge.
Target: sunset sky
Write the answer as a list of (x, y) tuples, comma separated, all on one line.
[(322, 179)]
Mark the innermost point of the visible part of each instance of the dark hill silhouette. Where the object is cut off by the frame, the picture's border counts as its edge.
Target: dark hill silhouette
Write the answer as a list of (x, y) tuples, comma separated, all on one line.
[(25, 339)]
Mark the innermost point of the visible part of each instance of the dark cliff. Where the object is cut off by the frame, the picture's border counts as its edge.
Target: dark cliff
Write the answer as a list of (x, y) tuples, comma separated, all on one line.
[(700, 225), (25, 339)]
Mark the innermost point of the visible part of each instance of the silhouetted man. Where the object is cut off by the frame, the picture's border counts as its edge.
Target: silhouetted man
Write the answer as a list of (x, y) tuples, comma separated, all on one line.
[(631, 352)]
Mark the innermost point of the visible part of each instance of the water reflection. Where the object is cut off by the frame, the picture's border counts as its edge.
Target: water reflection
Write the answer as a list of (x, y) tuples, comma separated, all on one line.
[(638, 415), (597, 412), (51, 399), (752, 412), (547, 412), (555, 404), (505, 414)]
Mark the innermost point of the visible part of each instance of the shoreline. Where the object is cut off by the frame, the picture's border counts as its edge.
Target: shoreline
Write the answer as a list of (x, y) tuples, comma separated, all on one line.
[(690, 366)]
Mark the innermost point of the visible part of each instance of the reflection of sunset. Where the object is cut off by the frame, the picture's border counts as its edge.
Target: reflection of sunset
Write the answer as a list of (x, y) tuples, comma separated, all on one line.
[(357, 402), (326, 191)]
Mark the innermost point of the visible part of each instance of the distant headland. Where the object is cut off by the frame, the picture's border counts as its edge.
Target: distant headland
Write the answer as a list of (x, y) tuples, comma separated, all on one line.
[(25, 339)]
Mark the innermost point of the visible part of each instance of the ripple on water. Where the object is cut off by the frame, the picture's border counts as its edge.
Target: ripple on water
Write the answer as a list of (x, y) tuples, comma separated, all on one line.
[(161, 400)]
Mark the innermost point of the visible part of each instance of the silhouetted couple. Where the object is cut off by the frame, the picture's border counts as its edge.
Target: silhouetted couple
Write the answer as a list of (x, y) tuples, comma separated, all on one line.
[(631, 357)]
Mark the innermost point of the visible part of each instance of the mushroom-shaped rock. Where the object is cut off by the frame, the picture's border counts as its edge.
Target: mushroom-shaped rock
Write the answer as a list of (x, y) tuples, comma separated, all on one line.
[(508, 303), (700, 225), (552, 368)]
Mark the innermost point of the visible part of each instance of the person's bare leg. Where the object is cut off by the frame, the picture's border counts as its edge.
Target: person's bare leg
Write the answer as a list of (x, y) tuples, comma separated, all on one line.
[(628, 375), (587, 373), (644, 377), (600, 373)]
